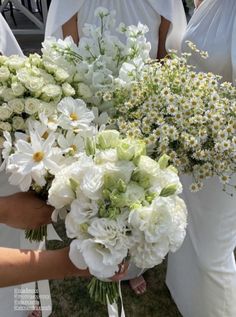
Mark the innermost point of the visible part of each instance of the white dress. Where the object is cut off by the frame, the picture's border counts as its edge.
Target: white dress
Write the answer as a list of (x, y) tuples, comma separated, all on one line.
[(148, 12), (201, 276), (9, 237)]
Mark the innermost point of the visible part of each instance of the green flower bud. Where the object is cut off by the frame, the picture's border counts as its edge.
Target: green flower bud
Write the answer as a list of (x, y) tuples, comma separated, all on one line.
[(169, 190), (73, 184), (84, 227), (90, 147), (163, 161)]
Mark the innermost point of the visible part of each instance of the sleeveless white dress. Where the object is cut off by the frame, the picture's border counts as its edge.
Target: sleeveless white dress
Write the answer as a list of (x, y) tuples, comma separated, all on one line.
[(13, 238), (202, 274), (147, 12)]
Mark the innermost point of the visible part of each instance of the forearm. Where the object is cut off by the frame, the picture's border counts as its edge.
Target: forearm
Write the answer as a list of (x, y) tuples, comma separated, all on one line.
[(3, 209), (70, 28), (23, 266), (163, 31)]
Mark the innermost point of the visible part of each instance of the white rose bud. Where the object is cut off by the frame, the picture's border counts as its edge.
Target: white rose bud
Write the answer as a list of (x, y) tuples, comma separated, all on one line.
[(68, 90), (18, 89), (17, 105), (51, 92), (61, 75), (5, 112), (32, 105), (7, 94), (15, 62), (4, 73), (5, 126), (18, 123)]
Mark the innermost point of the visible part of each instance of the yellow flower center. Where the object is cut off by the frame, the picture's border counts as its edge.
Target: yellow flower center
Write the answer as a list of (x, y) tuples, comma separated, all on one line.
[(38, 156), (74, 116), (74, 147)]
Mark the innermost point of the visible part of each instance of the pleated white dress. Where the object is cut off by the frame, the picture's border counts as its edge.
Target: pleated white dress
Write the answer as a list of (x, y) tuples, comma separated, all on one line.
[(148, 12), (201, 276)]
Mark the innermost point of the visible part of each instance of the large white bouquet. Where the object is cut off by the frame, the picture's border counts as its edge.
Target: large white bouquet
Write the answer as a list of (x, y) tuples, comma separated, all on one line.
[(122, 206), (189, 116)]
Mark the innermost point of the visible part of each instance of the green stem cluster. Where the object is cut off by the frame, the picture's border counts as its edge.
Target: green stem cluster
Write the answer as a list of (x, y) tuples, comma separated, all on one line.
[(36, 235), (101, 291)]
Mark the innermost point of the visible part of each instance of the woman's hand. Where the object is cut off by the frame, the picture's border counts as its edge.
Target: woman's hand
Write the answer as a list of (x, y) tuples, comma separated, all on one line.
[(123, 269), (24, 211)]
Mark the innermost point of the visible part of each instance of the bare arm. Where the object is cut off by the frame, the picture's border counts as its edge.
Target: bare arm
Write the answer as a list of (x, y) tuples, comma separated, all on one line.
[(197, 3), (70, 28), (163, 31), (24, 211), (23, 266)]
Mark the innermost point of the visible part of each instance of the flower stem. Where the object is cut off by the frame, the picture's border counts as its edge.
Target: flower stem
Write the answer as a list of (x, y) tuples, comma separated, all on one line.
[(100, 291), (36, 234)]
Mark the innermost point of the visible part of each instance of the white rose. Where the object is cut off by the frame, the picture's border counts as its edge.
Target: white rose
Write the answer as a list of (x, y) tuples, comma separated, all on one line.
[(18, 89), (7, 94), (61, 75), (23, 75), (17, 105), (18, 123), (34, 84), (5, 126), (32, 105), (15, 62), (5, 112), (4, 73), (51, 92)]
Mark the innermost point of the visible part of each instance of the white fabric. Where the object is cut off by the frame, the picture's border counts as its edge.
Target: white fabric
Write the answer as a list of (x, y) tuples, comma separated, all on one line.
[(148, 12), (8, 43), (212, 28), (201, 276)]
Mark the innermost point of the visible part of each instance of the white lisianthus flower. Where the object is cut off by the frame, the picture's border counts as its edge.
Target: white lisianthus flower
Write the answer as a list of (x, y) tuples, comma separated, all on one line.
[(5, 112), (61, 194), (120, 170), (32, 105), (92, 182), (81, 212), (18, 123), (74, 114), (108, 139), (129, 149), (17, 105), (106, 156)]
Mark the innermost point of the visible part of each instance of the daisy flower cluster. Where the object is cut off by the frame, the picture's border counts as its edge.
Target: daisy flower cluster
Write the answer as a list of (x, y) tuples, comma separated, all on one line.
[(122, 204), (189, 116)]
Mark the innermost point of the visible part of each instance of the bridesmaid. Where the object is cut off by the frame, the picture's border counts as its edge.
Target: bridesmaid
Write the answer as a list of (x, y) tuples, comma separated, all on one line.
[(166, 21), (202, 274)]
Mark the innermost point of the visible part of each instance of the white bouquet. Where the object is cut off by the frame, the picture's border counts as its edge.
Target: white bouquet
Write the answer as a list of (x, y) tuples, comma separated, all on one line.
[(187, 115), (122, 206), (33, 157), (100, 58)]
